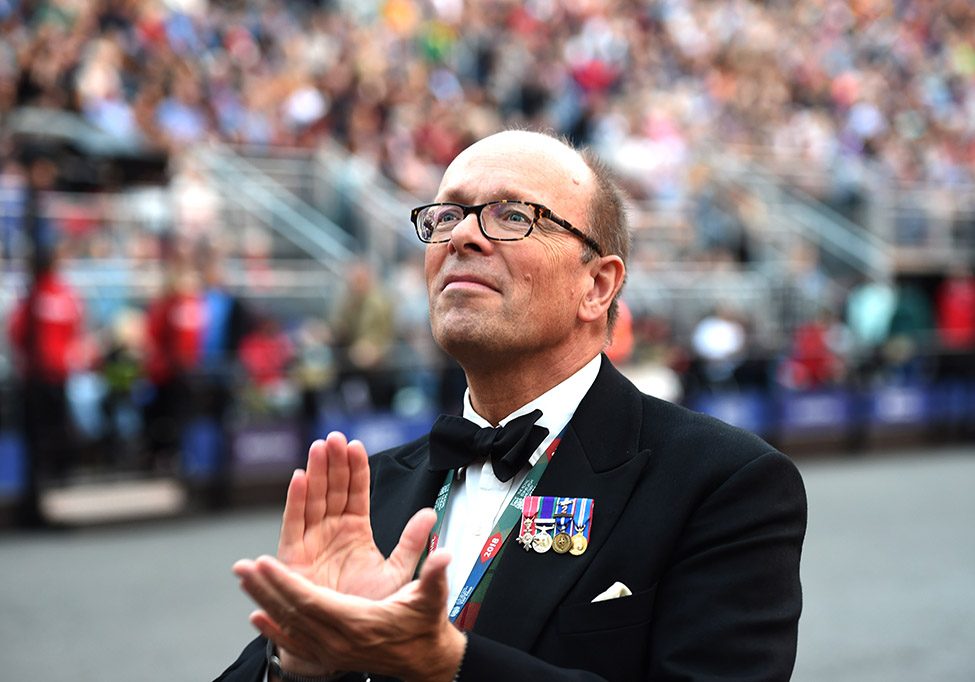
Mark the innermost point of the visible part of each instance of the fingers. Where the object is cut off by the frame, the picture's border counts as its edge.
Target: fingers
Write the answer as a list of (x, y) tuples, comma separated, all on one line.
[(412, 542), (288, 599), (297, 641), (358, 502), (337, 460), (293, 520), (317, 474), (278, 617), (254, 581), (267, 627)]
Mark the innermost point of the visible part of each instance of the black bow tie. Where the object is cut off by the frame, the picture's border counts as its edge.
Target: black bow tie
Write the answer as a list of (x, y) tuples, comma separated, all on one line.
[(456, 442)]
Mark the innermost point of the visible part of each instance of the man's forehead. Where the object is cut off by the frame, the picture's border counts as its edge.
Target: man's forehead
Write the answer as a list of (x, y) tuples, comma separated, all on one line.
[(512, 159), (516, 149)]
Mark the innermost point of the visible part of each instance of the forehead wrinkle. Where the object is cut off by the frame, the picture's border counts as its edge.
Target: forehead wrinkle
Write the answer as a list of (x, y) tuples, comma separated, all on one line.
[(461, 195)]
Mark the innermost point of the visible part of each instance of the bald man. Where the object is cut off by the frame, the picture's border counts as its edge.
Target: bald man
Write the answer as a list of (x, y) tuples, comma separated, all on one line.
[(568, 527)]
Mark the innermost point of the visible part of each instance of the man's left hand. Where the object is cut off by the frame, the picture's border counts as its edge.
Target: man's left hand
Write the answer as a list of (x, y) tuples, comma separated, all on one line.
[(394, 636)]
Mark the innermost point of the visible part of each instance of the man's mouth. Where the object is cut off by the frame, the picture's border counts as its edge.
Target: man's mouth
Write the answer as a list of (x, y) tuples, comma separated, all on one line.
[(467, 282)]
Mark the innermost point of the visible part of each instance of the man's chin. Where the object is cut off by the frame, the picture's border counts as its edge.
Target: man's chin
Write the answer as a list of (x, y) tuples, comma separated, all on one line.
[(462, 338)]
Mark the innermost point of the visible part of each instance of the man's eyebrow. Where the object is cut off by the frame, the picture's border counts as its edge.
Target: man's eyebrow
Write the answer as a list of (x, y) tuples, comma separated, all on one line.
[(460, 196)]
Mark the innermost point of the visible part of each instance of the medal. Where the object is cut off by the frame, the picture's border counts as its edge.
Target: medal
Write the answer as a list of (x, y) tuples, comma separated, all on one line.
[(544, 526), (562, 542), (580, 522), (529, 511), (579, 545), (542, 542)]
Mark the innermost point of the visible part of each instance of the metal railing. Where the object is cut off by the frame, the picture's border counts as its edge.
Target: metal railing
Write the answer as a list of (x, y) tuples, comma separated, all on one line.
[(925, 226), (297, 221), (799, 216)]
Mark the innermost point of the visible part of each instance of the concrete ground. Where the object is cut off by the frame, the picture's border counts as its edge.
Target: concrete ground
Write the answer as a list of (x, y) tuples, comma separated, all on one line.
[(888, 577)]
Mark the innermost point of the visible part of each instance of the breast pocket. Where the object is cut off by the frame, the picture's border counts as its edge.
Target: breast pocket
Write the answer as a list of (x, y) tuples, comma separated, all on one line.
[(612, 614)]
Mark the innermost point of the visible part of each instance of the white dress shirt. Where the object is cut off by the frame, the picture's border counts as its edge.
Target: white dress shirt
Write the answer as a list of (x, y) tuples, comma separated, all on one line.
[(477, 497)]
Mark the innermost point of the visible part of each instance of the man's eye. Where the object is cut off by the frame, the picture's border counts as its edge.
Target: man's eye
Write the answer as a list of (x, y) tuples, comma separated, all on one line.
[(446, 217), (514, 215)]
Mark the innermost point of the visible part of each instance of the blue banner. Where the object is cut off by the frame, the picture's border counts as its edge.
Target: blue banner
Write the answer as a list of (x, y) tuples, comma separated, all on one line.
[(817, 412), (271, 451), (751, 411), (202, 445), (13, 465), (377, 431)]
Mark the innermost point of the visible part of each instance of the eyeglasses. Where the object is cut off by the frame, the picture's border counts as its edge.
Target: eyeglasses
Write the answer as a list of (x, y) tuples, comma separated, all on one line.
[(500, 221)]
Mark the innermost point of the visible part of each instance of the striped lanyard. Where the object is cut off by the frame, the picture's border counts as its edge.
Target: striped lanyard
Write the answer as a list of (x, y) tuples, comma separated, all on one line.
[(468, 602)]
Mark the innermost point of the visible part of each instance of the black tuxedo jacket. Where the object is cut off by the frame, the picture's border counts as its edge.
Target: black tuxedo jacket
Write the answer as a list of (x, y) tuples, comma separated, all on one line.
[(702, 521)]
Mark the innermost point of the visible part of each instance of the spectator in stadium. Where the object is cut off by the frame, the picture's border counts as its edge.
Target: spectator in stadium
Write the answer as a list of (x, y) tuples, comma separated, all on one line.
[(687, 566), (720, 344), (363, 332), (13, 193), (910, 336), (817, 356), (955, 302), (266, 354), (46, 331), (174, 332), (869, 310), (226, 322)]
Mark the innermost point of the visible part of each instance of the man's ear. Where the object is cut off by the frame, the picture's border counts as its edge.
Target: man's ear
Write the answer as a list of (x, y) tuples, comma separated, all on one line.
[(607, 274)]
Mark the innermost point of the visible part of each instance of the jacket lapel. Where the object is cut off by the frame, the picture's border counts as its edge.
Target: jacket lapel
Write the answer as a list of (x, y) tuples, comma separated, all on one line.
[(597, 458), (408, 487)]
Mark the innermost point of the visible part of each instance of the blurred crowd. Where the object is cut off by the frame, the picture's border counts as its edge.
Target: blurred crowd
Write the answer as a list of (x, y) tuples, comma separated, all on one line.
[(824, 84), (841, 96), (200, 349)]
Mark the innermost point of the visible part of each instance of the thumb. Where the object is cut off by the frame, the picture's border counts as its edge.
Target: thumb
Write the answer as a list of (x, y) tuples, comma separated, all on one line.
[(412, 542), (433, 586)]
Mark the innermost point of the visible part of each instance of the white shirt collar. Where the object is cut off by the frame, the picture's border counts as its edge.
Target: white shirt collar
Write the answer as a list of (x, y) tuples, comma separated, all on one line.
[(558, 404)]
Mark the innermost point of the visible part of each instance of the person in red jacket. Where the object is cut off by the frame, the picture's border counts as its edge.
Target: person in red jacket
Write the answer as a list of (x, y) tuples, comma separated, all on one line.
[(46, 333), (955, 300), (174, 326)]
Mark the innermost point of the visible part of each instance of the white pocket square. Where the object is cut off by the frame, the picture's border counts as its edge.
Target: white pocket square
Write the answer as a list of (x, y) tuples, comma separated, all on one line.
[(615, 591)]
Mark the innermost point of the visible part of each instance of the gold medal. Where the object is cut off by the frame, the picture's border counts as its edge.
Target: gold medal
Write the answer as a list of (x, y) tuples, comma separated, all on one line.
[(542, 542), (579, 544), (561, 543)]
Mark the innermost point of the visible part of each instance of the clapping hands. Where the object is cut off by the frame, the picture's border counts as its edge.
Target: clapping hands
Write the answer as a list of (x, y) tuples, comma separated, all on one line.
[(331, 601)]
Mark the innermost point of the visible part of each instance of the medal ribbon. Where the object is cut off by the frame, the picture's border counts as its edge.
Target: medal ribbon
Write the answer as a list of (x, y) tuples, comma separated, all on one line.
[(492, 548), (581, 520)]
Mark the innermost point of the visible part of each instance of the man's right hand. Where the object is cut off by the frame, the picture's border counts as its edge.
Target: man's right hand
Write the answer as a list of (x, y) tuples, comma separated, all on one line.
[(326, 535)]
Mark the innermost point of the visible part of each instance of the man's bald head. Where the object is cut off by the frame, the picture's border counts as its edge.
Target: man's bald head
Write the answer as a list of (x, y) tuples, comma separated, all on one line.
[(583, 171)]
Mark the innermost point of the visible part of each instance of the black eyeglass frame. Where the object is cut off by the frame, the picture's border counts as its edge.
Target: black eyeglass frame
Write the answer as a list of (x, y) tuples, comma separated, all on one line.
[(541, 211)]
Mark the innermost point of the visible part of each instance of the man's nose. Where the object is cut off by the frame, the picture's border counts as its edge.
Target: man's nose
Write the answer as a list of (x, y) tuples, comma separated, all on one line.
[(467, 235)]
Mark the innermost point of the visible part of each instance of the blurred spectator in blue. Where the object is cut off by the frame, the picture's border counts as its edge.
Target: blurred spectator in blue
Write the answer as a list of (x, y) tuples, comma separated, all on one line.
[(38, 227), (13, 196), (226, 318), (226, 323)]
